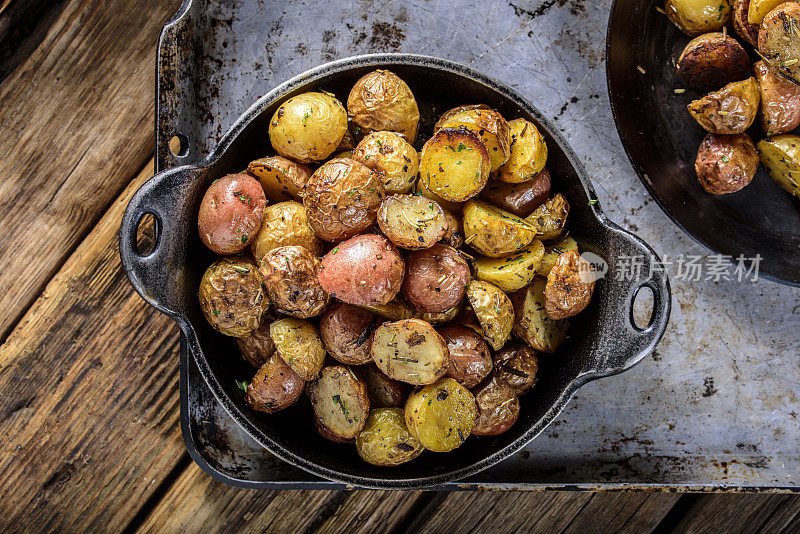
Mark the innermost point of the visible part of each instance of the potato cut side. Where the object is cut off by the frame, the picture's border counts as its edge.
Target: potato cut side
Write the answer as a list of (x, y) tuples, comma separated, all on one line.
[(552, 252), (454, 164), (531, 323), (340, 403), (492, 129), (779, 40), (392, 310), (386, 440), (550, 218), (528, 153), (512, 272), (780, 155), (281, 178), (299, 345), (411, 351), (759, 8), (412, 221), (441, 416), (494, 311), (494, 232)]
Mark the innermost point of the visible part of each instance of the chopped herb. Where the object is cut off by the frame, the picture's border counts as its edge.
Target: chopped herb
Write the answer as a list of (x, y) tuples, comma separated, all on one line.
[(725, 159), (216, 312), (592, 202), (244, 238), (461, 146), (335, 250), (242, 385)]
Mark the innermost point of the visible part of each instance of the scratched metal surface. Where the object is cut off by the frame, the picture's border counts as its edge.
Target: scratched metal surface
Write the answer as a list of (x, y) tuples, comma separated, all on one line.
[(714, 408)]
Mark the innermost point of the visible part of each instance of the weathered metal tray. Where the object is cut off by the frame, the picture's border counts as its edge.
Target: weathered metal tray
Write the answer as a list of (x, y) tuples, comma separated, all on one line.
[(716, 406)]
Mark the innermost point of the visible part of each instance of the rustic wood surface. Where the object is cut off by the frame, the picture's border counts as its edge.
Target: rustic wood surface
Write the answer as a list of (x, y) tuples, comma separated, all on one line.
[(88, 372)]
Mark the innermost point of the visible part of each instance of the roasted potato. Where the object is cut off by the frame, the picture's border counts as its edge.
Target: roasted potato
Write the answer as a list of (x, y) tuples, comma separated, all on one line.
[(454, 235), (411, 221), (726, 163), (512, 272), (531, 322), (274, 387), (285, 224), (569, 286), (436, 278), (744, 28), (421, 189), (780, 101), (712, 60), (381, 101), (454, 111), (758, 9), (257, 347), (346, 331), (290, 276), (388, 154), (442, 415), (383, 392), (550, 219), (393, 310), (528, 153), (299, 345), (730, 110), (386, 440), (494, 311), (694, 17), (232, 296), (282, 179), (519, 198), (410, 351), (308, 127), (342, 199), (517, 365), (494, 232), (781, 157), (230, 213), (454, 164), (779, 40), (365, 270), (441, 317), (498, 407), (552, 252), (340, 403), (492, 129), (470, 359)]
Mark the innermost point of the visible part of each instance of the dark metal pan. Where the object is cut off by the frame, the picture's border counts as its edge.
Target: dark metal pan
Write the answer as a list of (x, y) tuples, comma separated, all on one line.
[(604, 340), (661, 140)]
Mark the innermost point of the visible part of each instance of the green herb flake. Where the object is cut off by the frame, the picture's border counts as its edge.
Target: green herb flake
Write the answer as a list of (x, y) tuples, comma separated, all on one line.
[(242, 384), (592, 202), (725, 159), (335, 250)]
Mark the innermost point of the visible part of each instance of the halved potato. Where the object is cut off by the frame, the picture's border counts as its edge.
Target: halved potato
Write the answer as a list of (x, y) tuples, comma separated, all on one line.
[(442, 415), (550, 218), (411, 221), (759, 8), (441, 317), (454, 236), (281, 178), (389, 154), (494, 311), (420, 188), (454, 164), (512, 272), (780, 101), (340, 402), (299, 345), (528, 153), (730, 110), (494, 232), (411, 351), (458, 109), (491, 127), (552, 252), (779, 40), (694, 17), (711, 60), (531, 323), (781, 157), (741, 25), (386, 440)]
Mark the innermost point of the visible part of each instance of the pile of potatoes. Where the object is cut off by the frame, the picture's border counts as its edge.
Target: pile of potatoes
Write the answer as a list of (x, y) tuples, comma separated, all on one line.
[(406, 293), (714, 61)]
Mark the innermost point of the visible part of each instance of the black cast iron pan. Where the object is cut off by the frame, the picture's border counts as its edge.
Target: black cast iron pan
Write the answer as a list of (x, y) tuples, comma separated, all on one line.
[(661, 140), (604, 340)]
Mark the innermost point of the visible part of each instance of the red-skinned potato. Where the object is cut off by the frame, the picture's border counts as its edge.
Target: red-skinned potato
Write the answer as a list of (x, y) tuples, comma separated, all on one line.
[(470, 359), (346, 331), (780, 101), (274, 387), (230, 213), (498, 407), (436, 278), (383, 392), (520, 198), (712, 60), (257, 347), (517, 365)]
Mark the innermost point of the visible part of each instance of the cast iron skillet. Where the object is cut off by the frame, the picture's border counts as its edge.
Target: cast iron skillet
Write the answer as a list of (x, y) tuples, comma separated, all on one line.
[(604, 340), (661, 140)]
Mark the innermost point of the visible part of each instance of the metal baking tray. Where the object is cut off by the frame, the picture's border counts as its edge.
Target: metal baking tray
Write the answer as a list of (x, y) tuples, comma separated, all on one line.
[(661, 425)]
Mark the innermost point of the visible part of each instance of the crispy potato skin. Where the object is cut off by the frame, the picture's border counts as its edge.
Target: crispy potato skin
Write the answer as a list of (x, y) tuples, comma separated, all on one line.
[(340, 402), (381, 101), (365, 270), (230, 213), (284, 224), (494, 232), (492, 129), (231, 296), (394, 310), (411, 351), (527, 155), (454, 235), (780, 101), (383, 391), (442, 415), (519, 198), (498, 407), (517, 365), (569, 286), (386, 440), (274, 387), (412, 222), (531, 322), (550, 219), (454, 111), (281, 178), (730, 110), (257, 347), (712, 60), (308, 127), (779, 40), (726, 163), (470, 359), (346, 331), (290, 275), (552, 252), (454, 164), (436, 278), (388, 154), (299, 345), (494, 311), (781, 157), (742, 27), (694, 17)]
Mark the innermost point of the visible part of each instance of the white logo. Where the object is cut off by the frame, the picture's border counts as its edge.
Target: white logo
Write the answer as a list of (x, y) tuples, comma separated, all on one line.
[(594, 268)]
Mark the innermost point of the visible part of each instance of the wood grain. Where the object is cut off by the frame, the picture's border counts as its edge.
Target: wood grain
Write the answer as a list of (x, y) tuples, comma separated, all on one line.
[(742, 513)]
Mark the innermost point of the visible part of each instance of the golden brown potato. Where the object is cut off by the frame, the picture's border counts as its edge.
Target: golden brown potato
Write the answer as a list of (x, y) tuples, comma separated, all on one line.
[(386, 440), (443, 317), (454, 235), (340, 402), (492, 129), (779, 40), (390, 155), (308, 127), (346, 331), (569, 286), (420, 188), (281, 178), (454, 164), (454, 111), (410, 351), (284, 224), (498, 407), (383, 392), (290, 276), (781, 157), (531, 322), (520, 199), (257, 347), (232, 297), (726, 163), (694, 17), (743, 28), (494, 311), (299, 345), (230, 213), (528, 153), (758, 9), (470, 359), (436, 278), (393, 310), (274, 387), (550, 219), (512, 272), (494, 232), (442, 415), (381, 101), (730, 110), (712, 60), (517, 365), (552, 252), (780, 101), (412, 222), (342, 199)]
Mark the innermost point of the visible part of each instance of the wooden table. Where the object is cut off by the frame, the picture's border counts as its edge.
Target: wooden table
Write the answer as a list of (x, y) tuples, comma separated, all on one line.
[(89, 373)]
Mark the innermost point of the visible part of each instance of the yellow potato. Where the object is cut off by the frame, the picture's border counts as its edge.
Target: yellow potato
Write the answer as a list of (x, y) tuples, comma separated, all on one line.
[(512, 272), (421, 189), (386, 440), (779, 40), (281, 178), (731, 110), (284, 224), (410, 351), (308, 127), (442, 415), (550, 218), (531, 323), (491, 127), (780, 155), (494, 311), (494, 232), (391, 155), (299, 345), (454, 164), (552, 252), (694, 17), (759, 8), (528, 153)]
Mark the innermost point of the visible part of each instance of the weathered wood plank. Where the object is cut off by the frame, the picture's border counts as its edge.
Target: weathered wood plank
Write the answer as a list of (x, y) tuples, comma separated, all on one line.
[(741, 513)]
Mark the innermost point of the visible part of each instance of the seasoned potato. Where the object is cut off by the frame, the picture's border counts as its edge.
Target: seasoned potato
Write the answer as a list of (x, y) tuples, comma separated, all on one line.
[(780, 101), (694, 17), (712, 60), (285, 224), (498, 407), (386, 440), (340, 403), (230, 213), (342, 199), (492, 129), (410, 351), (569, 286), (232, 297), (779, 40), (781, 157), (393, 310), (470, 359), (519, 198), (552, 252), (411, 221), (454, 164), (550, 218), (454, 235), (531, 323), (383, 392), (726, 163), (743, 28), (290, 276), (421, 189), (494, 232), (494, 311), (730, 110), (390, 155), (528, 153), (282, 179), (346, 332), (308, 127), (257, 347), (436, 278), (454, 111), (365, 270), (441, 317), (517, 365), (274, 387), (299, 345), (512, 272), (758, 9), (442, 415), (381, 101)]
